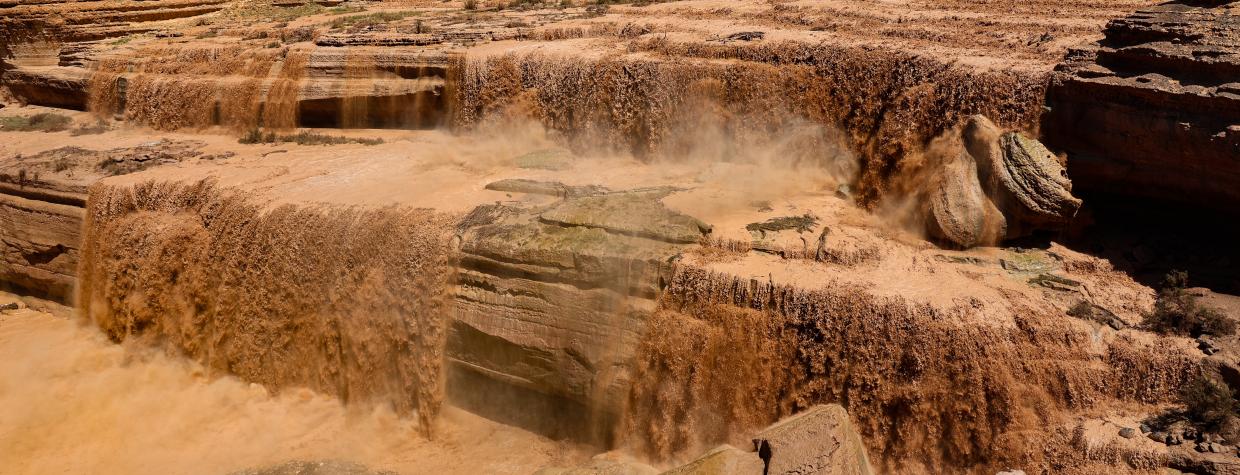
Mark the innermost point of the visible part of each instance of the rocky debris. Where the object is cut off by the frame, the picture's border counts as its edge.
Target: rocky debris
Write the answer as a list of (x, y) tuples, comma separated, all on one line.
[(1127, 432), (791, 237), (10, 306), (818, 440), (970, 260), (1189, 460), (69, 170), (1213, 447), (318, 467), (1159, 436), (337, 40), (1089, 311), (1152, 111), (131, 160), (1056, 282), (1030, 261), (1207, 345), (636, 213), (998, 186), (801, 224), (744, 36)]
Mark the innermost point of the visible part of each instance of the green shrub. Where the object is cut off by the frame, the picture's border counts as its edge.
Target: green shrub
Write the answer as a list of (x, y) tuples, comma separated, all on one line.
[(1177, 312), (305, 137), (471, 4), (1208, 402)]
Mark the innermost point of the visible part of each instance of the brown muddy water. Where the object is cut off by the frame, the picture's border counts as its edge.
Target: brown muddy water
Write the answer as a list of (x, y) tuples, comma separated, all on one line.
[(73, 402)]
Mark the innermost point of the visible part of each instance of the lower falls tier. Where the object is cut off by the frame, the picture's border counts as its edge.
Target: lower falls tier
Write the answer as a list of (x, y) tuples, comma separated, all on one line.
[(581, 332)]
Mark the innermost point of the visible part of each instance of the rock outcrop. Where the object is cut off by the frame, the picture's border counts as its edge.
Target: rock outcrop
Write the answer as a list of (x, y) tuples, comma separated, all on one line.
[(554, 300), (41, 209), (997, 186), (1153, 110), (819, 440)]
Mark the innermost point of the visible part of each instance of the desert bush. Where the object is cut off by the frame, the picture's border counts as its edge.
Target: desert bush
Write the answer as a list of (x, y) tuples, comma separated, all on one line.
[(41, 122), (1178, 312), (315, 138), (256, 136), (1208, 402), (471, 4)]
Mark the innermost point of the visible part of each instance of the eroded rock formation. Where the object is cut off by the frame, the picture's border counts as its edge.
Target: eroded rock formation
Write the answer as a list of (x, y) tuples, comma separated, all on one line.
[(1152, 111), (555, 299)]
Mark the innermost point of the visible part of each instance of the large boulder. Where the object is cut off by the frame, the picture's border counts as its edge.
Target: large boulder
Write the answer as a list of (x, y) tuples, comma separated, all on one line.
[(959, 209), (997, 186)]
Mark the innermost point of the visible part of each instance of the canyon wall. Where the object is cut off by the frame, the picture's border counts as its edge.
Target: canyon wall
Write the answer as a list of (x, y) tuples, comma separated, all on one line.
[(38, 246), (1153, 110)]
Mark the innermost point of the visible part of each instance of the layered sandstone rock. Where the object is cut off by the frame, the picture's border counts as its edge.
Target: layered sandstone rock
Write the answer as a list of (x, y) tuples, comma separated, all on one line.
[(1153, 110), (41, 206), (554, 300)]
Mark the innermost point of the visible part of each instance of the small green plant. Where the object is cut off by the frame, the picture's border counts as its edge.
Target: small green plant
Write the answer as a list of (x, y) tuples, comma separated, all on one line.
[(1208, 402), (471, 4), (1178, 312), (121, 41)]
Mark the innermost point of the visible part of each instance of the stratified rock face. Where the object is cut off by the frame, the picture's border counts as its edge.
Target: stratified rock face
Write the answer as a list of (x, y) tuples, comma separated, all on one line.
[(41, 208), (552, 301), (997, 186), (38, 246), (1153, 110)]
